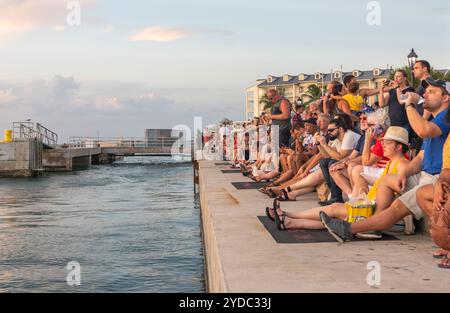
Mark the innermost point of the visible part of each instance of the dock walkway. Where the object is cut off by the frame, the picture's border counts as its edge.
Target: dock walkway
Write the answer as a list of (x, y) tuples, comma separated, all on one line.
[(242, 256)]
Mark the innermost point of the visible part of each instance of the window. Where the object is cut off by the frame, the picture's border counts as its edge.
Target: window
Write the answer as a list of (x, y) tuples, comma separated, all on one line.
[(318, 76), (376, 72), (301, 77), (356, 73), (269, 79), (337, 75)]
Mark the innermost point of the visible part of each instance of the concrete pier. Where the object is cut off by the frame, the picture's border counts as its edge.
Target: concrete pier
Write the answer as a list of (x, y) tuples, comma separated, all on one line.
[(21, 158), (241, 256)]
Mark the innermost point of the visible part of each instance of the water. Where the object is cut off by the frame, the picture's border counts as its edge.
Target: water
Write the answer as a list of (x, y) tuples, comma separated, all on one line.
[(133, 226)]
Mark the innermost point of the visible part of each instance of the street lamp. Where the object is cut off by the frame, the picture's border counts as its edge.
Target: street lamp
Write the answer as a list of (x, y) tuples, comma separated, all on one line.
[(412, 58)]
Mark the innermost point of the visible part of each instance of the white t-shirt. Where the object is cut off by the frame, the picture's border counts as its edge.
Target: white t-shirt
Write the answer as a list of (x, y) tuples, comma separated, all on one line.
[(350, 140), (336, 144)]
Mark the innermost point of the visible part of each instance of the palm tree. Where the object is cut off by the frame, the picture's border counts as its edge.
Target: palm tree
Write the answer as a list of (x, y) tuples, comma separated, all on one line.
[(313, 93), (266, 102)]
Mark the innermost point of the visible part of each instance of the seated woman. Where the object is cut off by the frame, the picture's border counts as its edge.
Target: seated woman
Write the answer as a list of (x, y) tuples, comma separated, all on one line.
[(373, 159), (394, 144), (435, 202)]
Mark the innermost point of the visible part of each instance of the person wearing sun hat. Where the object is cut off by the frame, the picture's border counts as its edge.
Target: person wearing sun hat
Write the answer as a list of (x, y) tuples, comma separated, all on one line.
[(395, 143), (423, 170)]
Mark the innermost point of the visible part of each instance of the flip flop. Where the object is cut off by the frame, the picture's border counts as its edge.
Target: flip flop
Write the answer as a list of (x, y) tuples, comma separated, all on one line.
[(440, 265), (268, 214), (280, 221), (271, 194), (285, 197), (439, 256)]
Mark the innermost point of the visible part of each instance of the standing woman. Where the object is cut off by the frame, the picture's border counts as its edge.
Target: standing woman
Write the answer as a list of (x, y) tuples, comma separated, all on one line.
[(390, 96)]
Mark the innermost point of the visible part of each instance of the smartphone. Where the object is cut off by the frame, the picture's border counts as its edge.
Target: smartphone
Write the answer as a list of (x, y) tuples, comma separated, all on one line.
[(378, 130), (386, 82)]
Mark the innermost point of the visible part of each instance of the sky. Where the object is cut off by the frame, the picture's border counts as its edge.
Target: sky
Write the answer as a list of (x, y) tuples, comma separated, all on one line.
[(132, 65)]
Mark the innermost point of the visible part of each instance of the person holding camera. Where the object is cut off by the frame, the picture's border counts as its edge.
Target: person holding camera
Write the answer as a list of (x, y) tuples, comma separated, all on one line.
[(392, 94)]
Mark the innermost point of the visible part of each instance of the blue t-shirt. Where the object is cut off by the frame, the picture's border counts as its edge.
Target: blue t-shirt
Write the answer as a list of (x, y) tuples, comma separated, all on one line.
[(432, 159)]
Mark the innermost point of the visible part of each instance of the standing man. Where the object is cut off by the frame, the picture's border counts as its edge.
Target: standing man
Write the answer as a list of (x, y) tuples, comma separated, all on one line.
[(280, 116)]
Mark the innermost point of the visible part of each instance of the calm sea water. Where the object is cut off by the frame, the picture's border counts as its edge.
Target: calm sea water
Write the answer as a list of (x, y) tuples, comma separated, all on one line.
[(133, 226)]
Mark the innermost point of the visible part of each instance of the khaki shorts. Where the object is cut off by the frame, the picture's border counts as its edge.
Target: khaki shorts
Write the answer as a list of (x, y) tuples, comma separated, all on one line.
[(409, 199)]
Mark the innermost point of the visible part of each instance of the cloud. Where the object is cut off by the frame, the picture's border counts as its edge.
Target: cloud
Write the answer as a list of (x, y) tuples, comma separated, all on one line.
[(160, 34), (19, 17), (7, 97), (81, 108)]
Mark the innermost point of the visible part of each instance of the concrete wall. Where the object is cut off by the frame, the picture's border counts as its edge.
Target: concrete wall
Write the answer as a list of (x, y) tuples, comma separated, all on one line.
[(55, 160), (20, 158), (215, 279)]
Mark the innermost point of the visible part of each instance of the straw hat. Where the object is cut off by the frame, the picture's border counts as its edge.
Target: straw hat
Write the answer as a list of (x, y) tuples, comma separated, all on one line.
[(398, 134)]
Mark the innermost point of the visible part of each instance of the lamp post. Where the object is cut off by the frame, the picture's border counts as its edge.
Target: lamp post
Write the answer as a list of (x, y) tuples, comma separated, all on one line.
[(412, 58)]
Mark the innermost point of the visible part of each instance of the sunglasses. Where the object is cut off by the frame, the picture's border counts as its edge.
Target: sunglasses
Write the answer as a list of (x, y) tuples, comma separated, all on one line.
[(332, 130), (363, 118)]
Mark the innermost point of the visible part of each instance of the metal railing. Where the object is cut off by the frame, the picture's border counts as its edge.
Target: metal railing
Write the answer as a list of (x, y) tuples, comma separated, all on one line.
[(126, 142), (35, 130)]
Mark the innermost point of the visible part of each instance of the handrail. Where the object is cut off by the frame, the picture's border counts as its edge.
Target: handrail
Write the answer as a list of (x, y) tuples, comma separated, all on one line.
[(31, 130), (125, 142)]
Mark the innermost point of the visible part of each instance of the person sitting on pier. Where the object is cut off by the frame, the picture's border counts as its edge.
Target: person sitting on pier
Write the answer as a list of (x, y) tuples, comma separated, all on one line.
[(298, 158), (436, 199), (423, 170), (367, 169), (347, 140), (394, 143)]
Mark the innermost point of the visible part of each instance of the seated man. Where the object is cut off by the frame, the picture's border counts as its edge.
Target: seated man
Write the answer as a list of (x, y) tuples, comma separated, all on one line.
[(336, 130), (371, 155), (341, 171), (423, 170), (435, 199), (395, 142)]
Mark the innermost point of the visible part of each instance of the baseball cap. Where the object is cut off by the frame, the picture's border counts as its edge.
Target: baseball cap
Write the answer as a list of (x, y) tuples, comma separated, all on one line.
[(436, 83)]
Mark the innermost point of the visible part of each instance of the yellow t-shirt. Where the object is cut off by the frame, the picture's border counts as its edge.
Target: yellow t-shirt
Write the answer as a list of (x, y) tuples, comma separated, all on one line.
[(355, 102), (387, 170), (446, 156)]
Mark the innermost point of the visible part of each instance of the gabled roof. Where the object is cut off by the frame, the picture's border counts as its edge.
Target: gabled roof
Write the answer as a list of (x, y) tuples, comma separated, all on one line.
[(328, 77)]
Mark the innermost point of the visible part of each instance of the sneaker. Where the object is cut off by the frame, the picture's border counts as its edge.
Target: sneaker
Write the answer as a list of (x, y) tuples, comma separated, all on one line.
[(339, 229), (369, 235)]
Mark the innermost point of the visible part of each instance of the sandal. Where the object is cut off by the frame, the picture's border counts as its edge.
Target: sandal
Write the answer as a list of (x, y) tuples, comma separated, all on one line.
[(285, 196), (440, 254), (271, 193), (445, 259), (268, 214), (280, 221)]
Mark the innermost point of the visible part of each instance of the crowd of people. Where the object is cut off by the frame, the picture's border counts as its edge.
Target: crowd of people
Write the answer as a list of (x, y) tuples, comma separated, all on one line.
[(394, 154)]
